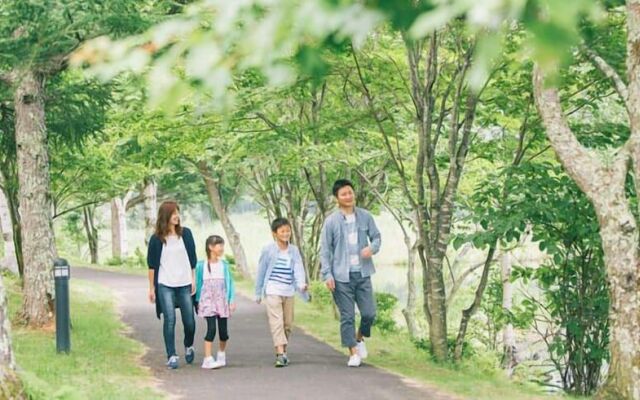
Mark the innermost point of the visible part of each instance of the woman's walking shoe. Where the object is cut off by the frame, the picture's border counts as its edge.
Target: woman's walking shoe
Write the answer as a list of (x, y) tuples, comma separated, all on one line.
[(354, 361), (189, 354), (173, 362), (362, 350), (208, 363)]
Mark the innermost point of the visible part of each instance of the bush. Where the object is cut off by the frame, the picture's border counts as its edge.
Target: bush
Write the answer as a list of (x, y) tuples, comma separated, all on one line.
[(467, 350), (114, 261), (138, 259), (320, 295), (385, 304)]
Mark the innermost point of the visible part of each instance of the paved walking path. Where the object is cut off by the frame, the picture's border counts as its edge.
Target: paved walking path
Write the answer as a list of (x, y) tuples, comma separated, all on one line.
[(317, 371)]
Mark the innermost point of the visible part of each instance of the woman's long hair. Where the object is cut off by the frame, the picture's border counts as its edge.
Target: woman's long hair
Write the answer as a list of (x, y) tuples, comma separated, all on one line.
[(166, 210)]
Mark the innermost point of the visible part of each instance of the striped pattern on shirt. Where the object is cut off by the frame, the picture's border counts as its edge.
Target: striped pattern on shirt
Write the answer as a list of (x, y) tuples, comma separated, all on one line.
[(282, 271)]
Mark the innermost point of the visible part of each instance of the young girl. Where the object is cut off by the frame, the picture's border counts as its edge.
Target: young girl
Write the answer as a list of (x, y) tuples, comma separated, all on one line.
[(280, 274), (215, 298)]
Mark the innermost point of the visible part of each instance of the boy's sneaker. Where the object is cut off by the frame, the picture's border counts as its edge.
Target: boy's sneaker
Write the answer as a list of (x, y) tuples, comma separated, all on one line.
[(208, 363), (286, 359), (362, 350), (280, 361), (354, 361), (189, 354), (173, 362), (221, 360)]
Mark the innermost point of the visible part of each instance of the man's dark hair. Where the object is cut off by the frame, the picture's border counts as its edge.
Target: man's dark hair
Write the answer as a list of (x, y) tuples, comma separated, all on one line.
[(339, 184), (279, 222)]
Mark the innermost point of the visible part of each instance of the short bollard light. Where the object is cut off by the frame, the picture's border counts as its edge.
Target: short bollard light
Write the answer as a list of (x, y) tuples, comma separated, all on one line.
[(63, 323)]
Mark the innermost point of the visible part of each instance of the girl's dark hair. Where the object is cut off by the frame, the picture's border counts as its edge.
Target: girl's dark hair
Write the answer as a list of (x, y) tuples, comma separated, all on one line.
[(278, 222), (166, 210), (339, 184), (212, 241)]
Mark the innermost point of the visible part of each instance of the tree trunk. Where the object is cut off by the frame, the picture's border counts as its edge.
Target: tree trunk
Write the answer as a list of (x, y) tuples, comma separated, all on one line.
[(9, 261), (620, 245), (119, 249), (38, 243), (230, 231), (508, 334), (409, 310), (10, 385), (435, 306), (604, 185), (150, 207), (467, 313), (92, 233)]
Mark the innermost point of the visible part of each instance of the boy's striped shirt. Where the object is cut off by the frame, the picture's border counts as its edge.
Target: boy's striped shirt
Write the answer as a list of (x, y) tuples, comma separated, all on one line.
[(282, 271)]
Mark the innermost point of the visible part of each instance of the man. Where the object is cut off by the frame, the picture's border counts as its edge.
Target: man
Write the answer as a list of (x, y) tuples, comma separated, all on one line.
[(349, 239)]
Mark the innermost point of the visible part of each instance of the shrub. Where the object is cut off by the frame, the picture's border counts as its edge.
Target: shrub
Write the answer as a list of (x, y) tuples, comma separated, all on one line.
[(385, 304), (320, 295)]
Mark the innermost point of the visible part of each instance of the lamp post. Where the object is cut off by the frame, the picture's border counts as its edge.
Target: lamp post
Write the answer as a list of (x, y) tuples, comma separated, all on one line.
[(61, 272)]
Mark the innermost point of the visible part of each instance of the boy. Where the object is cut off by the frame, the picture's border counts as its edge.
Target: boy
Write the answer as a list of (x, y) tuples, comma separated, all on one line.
[(280, 274)]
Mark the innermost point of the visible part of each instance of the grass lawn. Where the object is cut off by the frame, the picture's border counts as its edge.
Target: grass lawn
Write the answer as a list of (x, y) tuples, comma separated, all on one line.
[(103, 363)]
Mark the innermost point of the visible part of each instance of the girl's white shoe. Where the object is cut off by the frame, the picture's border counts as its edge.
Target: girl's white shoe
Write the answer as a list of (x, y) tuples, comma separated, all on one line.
[(209, 363), (221, 360)]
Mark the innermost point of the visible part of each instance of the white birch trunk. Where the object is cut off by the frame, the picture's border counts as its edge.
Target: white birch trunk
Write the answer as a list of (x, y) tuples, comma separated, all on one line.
[(150, 207), (9, 261), (119, 249)]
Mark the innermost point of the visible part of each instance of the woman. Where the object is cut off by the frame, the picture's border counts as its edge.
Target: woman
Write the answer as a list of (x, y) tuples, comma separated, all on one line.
[(171, 259)]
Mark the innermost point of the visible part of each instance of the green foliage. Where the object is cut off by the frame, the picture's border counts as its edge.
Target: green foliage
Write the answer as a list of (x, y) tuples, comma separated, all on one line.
[(385, 306), (424, 344), (320, 295), (73, 227), (114, 261), (573, 279)]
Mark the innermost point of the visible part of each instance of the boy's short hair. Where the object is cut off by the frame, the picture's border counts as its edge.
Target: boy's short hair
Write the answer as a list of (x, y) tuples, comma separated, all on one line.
[(339, 184), (279, 222)]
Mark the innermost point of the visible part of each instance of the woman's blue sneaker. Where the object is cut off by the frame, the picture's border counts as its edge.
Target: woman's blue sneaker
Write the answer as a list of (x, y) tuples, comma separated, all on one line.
[(189, 355), (173, 362)]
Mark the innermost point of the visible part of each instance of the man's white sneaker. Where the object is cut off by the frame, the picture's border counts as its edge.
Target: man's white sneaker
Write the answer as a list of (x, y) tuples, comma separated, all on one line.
[(208, 363), (362, 350), (354, 361)]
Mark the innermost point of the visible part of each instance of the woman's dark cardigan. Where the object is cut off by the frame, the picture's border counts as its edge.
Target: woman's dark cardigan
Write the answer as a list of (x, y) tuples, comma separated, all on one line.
[(155, 252)]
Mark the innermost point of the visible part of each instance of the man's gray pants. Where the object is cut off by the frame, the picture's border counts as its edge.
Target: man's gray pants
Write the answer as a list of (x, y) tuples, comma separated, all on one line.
[(346, 295)]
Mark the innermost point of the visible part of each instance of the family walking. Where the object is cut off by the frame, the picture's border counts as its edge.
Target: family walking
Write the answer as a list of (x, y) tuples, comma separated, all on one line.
[(177, 279)]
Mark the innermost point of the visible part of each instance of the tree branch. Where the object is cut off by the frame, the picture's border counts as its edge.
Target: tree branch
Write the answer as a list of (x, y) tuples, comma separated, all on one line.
[(134, 201), (579, 163), (609, 72), (89, 203)]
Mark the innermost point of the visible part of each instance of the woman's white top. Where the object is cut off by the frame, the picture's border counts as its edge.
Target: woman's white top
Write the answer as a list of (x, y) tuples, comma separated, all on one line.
[(175, 268), (216, 271)]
